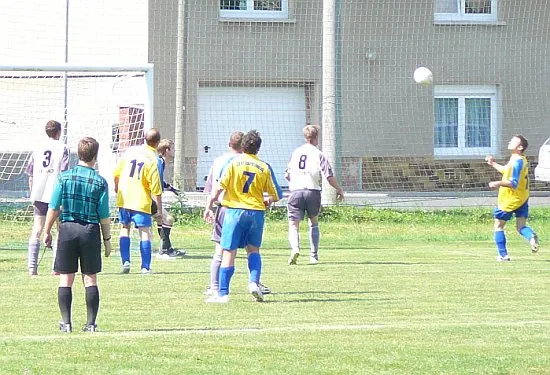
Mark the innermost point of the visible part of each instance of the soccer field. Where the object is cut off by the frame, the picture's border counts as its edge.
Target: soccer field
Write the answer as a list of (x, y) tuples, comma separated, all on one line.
[(392, 298)]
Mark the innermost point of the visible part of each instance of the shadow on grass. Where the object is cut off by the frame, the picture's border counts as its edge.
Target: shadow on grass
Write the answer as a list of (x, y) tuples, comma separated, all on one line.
[(279, 293), (9, 260), (312, 300), (195, 257), (305, 251), (321, 263), (154, 273)]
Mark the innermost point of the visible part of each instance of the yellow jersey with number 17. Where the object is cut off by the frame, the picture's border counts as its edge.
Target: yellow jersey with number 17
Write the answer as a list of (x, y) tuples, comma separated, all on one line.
[(245, 180), (138, 179), (517, 172)]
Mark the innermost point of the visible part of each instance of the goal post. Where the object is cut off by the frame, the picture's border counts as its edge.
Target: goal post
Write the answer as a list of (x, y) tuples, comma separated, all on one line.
[(111, 103)]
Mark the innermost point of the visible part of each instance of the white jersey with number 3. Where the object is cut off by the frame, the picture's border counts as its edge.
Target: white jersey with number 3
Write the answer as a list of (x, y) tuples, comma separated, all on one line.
[(47, 162), (306, 168)]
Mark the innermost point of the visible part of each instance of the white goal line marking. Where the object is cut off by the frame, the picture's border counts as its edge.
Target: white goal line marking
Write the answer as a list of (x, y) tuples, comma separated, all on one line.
[(310, 328)]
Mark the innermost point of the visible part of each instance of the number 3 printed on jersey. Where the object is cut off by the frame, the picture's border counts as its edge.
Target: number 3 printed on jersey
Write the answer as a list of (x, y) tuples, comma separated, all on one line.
[(47, 159), (133, 169)]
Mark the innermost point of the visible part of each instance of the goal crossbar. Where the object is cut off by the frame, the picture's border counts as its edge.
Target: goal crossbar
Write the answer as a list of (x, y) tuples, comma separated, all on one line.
[(147, 69)]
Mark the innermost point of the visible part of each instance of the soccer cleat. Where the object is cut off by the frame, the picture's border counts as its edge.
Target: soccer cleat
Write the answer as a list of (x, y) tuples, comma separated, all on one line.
[(505, 258), (65, 327), (293, 258), (256, 292), (211, 292), (313, 260), (264, 288), (89, 328), (217, 299), (175, 253), (534, 242), (33, 272), (145, 271), (126, 267), (171, 253)]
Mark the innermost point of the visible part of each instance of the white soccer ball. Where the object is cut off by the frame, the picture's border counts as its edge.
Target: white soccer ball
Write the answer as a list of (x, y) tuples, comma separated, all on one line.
[(423, 76)]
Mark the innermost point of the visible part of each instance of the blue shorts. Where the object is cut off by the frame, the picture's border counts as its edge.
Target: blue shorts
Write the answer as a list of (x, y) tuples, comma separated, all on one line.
[(241, 228), (140, 219), (523, 211)]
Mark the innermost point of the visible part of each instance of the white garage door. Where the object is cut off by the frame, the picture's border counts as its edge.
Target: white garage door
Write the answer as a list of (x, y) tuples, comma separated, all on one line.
[(278, 113)]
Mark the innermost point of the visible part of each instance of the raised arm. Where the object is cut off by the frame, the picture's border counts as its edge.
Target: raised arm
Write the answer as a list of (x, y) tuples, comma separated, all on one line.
[(491, 161)]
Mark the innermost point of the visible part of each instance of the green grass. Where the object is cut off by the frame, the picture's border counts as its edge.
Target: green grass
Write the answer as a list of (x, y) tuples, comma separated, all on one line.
[(398, 296)]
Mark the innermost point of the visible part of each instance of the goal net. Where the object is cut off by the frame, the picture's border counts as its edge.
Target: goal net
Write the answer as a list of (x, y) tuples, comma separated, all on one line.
[(112, 104), (262, 65)]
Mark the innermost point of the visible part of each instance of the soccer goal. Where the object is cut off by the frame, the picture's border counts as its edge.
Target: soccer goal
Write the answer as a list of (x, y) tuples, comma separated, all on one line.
[(113, 104)]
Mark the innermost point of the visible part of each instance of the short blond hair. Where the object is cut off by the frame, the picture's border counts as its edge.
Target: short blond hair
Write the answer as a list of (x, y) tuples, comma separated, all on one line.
[(312, 131), (235, 141), (164, 145)]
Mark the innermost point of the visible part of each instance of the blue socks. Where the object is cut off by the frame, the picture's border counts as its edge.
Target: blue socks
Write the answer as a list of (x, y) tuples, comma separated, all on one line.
[(526, 232), (226, 273), (124, 244), (255, 267), (500, 240), (145, 249)]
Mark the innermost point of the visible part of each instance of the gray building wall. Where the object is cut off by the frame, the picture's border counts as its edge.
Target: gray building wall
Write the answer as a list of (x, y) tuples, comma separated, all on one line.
[(381, 111)]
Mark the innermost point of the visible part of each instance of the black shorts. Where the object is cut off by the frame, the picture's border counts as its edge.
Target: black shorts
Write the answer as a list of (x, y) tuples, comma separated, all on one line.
[(217, 226), (78, 241), (301, 202)]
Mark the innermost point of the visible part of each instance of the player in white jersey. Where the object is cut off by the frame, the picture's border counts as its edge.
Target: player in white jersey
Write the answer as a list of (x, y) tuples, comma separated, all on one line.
[(47, 161), (304, 173), (211, 184)]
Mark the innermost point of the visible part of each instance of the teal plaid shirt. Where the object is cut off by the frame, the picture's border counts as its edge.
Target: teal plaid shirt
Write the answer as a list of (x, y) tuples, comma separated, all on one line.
[(83, 194)]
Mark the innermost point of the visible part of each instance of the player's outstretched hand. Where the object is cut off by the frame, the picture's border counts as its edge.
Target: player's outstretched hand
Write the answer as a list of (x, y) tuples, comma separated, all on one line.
[(490, 159), (108, 249), (48, 240), (340, 196), (494, 185)]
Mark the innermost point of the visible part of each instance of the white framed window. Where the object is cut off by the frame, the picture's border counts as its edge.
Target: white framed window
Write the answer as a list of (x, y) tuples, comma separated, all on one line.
[(254, 9), (466, 121), (464, 11)]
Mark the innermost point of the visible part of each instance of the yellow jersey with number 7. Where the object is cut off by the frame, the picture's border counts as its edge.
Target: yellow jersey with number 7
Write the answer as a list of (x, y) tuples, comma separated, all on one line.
[(245, 181)]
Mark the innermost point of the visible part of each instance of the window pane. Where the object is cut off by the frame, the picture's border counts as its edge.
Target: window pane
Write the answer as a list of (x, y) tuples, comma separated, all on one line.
[(446, 122), (477, 6), (478, 122), (446, 6), (233, 4), (267, 5)]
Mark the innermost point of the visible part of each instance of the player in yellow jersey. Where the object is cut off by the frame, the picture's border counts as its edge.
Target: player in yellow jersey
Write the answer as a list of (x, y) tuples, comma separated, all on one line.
[(513, 196), (244, 182), (136, 180)]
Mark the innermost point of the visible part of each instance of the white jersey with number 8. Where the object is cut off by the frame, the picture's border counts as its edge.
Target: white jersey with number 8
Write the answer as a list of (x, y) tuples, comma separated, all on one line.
[(306, 168)]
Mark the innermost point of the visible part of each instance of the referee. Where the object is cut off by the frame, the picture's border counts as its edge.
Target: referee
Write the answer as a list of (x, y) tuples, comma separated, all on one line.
[(84, 196)]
